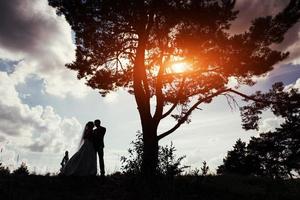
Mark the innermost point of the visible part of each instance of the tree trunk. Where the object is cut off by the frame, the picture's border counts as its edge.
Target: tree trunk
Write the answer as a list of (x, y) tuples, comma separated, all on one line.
[(150, 151)]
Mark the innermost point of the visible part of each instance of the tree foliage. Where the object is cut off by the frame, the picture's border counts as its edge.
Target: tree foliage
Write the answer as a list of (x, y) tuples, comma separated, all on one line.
[(237, 161), (122, 39), (280, 100)]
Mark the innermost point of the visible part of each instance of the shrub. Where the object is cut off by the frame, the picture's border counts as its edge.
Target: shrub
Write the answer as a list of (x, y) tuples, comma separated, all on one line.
[(22, 170), (204, 169), (168, 163), (4, 171)]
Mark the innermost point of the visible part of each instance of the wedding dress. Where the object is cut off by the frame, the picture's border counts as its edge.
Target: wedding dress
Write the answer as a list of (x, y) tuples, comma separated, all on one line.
[(84, 161)]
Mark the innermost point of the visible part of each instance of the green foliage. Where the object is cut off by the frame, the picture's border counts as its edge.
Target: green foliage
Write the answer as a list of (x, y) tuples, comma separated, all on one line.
[(168, 163), (22, 170), (4, 171)]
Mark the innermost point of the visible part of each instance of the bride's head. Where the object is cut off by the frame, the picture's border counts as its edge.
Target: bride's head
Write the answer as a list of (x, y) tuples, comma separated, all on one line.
[(89, 126), (87, 129)]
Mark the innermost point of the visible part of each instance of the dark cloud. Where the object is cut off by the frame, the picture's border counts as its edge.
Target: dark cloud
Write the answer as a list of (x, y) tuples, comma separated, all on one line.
[(13, 122), (22, 26), (30, 30), (251, 9), (37, 147)]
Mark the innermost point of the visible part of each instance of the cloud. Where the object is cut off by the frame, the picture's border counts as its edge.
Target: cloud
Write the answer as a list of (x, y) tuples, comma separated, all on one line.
[(61, 134), (270, 124), (2, 139), (31, 31), (111, 98), (295, 85), (38, 128)]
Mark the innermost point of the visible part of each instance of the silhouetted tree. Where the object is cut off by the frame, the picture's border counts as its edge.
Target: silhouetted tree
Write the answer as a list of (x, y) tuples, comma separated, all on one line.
[(275, 153), (290, 131), (279, 150), (236, 161), (132, 44), (22, 170), (267, 150)]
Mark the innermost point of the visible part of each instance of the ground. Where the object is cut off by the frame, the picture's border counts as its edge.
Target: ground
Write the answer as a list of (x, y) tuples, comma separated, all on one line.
[(127, 187)]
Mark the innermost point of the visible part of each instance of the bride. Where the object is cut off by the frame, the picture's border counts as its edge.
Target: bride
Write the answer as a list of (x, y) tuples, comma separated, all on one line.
[(84, 161)]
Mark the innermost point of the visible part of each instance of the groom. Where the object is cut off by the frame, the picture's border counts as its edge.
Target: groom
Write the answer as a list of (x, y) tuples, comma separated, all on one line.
[(99, 133)]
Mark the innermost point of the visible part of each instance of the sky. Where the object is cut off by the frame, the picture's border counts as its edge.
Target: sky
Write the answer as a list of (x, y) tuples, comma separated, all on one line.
[(44, 107)]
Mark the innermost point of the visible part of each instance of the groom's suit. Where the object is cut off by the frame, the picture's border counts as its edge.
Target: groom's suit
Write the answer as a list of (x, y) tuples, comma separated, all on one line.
[(99, 133)]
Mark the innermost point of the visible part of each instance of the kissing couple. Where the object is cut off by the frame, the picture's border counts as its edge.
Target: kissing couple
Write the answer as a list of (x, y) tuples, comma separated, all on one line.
[(84, 161)]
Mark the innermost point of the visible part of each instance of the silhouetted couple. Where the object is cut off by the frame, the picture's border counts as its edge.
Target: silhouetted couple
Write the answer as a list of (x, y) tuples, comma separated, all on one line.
[(84, 161)]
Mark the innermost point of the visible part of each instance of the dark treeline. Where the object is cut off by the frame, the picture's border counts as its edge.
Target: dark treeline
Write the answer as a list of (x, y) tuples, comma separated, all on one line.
[(276, 153), (22, 170)]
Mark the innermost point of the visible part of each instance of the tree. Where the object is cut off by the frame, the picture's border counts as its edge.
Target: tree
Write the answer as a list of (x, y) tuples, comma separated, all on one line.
[(290, 131), (279, 150), (237, 161), (139, 44), (268, 151), (275, 153)]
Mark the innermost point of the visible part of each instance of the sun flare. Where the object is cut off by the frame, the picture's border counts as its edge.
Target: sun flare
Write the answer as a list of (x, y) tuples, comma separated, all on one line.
[(180, 67)]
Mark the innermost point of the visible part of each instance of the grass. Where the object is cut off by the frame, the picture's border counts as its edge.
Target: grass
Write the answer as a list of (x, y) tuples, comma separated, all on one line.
[(128, 187)]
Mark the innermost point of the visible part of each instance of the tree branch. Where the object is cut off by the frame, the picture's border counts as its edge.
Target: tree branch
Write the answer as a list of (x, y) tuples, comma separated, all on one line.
[(187, 114), (176, 102), (250, 97), (160, 98)]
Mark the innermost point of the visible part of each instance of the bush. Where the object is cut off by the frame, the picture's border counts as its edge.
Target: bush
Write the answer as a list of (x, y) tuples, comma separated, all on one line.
[(4, 171), (133, 163), (168, 164), (22, 170), (204, 169)]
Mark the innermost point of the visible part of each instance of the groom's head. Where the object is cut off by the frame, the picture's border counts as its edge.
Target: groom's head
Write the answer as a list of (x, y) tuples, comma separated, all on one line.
[(97, 122)]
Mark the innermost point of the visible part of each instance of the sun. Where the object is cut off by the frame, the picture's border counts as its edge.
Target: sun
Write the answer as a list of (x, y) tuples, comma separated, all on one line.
[(180, 67)]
